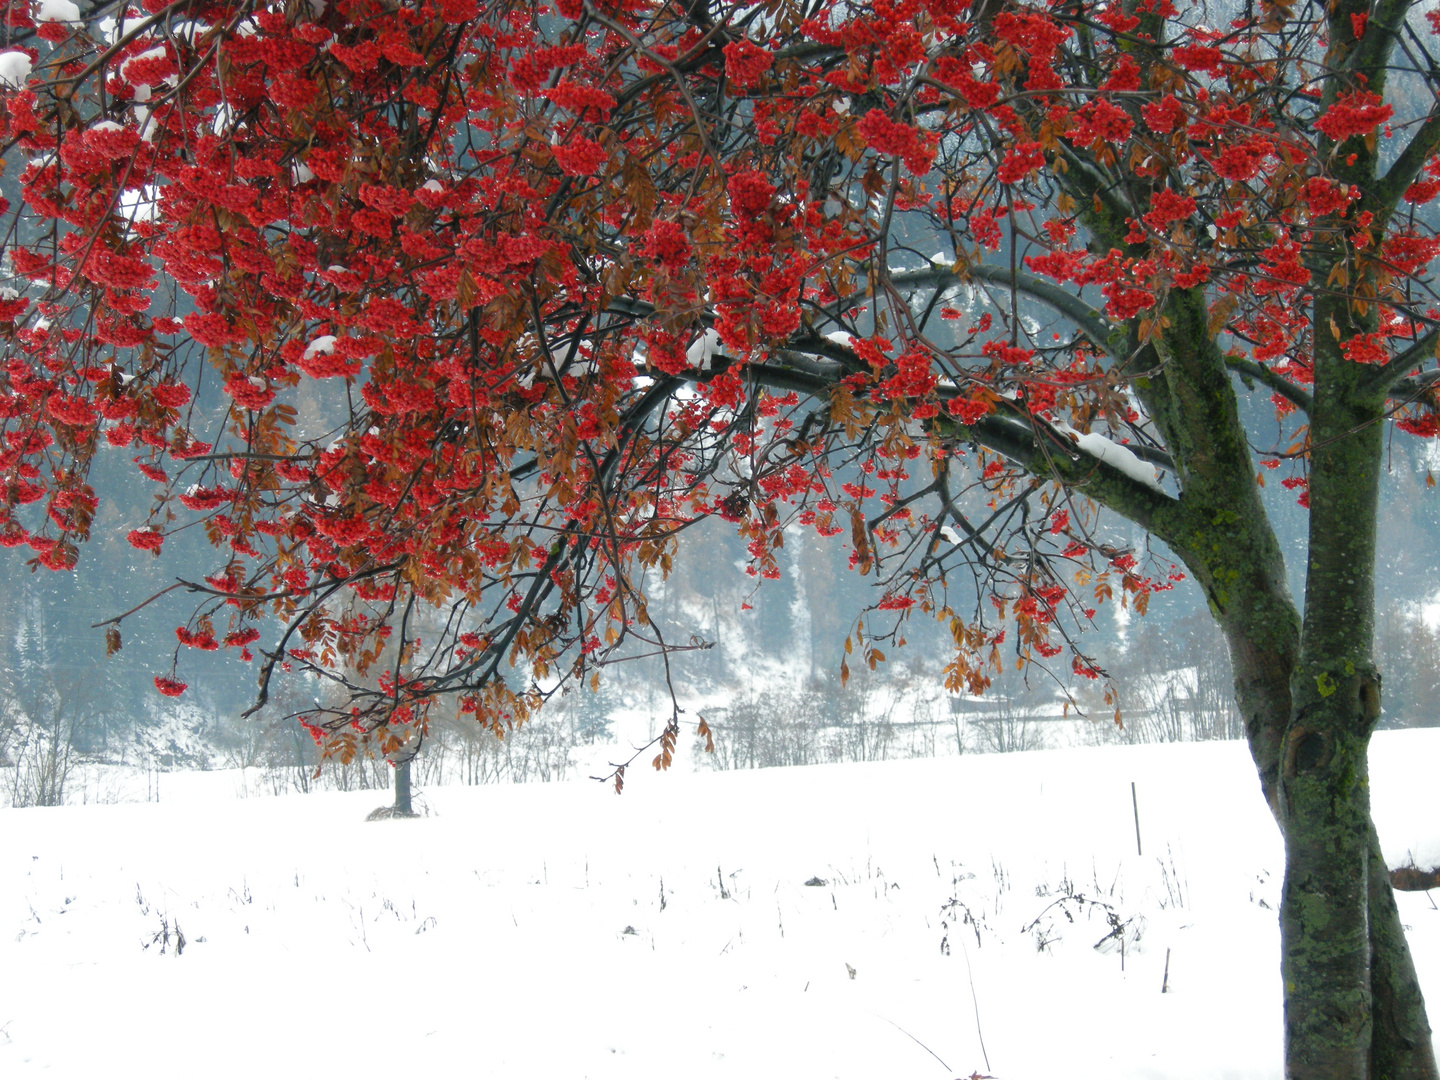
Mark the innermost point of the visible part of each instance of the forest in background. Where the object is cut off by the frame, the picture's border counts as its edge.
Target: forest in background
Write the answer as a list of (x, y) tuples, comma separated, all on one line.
[(768, 686)]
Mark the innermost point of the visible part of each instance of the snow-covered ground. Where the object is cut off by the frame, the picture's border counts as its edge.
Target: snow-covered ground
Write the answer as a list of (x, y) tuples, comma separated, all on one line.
[(843, 920)]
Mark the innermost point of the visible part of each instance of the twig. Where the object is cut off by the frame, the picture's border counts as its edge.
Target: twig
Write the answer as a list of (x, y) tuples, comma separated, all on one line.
[(1135, 805), (975, 1001), (912, 1038), (137, 607)]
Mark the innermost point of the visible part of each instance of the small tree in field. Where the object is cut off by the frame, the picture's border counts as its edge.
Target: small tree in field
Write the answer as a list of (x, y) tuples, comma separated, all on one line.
[(553, 279)]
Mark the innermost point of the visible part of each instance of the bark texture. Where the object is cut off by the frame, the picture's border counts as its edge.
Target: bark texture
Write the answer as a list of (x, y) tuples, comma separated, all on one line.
[(1306, 688)]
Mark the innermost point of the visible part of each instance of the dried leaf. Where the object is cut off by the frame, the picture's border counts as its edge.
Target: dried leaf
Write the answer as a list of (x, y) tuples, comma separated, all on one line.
[(861, 541)]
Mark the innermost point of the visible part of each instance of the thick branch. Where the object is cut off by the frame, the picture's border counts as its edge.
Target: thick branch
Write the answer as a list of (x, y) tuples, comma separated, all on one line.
[(1423, 144), (1383, 26), (1386, 377)]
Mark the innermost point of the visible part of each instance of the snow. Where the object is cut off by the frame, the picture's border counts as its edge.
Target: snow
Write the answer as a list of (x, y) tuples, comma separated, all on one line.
[(66, 11), (325, 343), (1116, 456), (703, 349), (187, 30), (14, 68), (581, 364), (142, 205), (112, 29), (560, 930)]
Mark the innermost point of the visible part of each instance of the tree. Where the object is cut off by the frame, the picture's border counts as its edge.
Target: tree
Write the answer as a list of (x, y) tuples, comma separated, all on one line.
[(550, 281)]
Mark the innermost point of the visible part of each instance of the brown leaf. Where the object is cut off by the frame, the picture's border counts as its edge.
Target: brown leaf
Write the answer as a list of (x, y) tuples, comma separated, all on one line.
[(860, 540)]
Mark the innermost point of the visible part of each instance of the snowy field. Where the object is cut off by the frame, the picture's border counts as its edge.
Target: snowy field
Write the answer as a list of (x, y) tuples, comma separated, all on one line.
[(926, 919)]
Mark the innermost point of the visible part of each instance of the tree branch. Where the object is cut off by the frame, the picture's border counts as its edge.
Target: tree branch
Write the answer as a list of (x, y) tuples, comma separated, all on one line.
[(1055, 458), (1384, 378), (1391, 186), (1085, 317), (1282, 386), (1383, 26)]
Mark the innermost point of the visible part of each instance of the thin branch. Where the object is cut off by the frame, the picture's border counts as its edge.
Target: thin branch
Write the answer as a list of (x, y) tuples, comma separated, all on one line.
[(116, 620), (1282, 386)]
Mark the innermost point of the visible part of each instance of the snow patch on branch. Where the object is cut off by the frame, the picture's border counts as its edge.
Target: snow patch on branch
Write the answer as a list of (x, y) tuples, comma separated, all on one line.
[(61, 11), (141, 205), (703, 349), (14, 69), (325, 343), (1116, 456)]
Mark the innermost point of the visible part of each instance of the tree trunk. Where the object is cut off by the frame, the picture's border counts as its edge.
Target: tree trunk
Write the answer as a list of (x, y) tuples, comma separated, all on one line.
[(1334, 700), (403, 807), (1307, 690), (1324, 904), (1351, 1001), (1400, 1043)]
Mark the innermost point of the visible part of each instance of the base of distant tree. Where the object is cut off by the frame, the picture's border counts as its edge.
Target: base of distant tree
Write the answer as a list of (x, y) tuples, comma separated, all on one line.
[(385, 813), (1413, 879)]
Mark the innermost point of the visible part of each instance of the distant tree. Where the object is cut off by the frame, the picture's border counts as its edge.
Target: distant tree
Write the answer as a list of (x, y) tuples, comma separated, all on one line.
[(51, 710), (1410, 649), (556, 280)]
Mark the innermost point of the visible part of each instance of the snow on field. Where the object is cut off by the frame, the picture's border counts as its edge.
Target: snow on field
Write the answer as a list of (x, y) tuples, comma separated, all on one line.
[(846, 921)]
